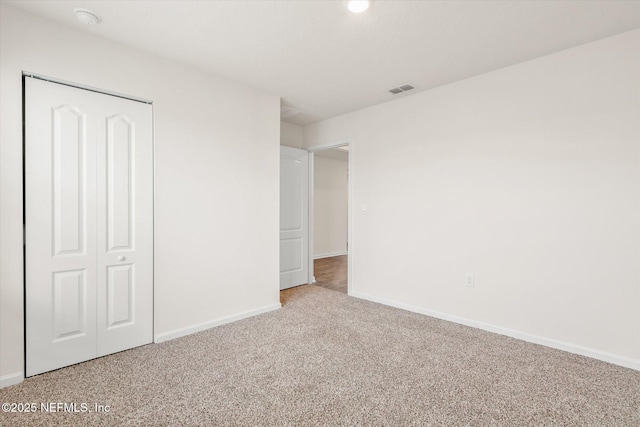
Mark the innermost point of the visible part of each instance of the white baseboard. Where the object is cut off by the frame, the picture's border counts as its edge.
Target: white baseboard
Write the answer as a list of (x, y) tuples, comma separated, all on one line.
[(11, 379), (177, 333), (548, 342), (329, 255)]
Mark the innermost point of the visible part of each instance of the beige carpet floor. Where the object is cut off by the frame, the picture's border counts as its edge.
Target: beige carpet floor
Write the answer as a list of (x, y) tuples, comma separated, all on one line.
[(329, 359)]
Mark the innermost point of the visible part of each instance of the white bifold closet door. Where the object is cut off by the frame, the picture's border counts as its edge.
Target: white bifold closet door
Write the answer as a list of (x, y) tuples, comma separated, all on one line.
[(89, 224)]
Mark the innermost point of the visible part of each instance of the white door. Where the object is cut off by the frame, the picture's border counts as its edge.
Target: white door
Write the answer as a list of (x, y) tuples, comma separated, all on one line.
[(89, 224), (294, 217)]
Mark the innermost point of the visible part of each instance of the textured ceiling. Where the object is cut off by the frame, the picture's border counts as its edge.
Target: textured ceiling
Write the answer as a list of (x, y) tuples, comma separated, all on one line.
[(325, 61)]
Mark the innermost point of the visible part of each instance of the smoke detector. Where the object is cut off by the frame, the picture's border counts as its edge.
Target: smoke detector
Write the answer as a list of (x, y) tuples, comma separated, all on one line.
[(86, 16)]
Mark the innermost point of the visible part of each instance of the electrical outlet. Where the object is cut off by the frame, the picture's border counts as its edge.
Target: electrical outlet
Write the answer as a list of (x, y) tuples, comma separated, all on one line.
[(471, 282)]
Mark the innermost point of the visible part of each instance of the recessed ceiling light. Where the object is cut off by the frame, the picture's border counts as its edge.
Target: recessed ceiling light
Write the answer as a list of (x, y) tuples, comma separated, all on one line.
[(86, 16), (358, 6)]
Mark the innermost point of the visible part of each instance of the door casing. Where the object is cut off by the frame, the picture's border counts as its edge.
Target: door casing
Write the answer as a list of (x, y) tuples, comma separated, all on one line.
[(326, 146)]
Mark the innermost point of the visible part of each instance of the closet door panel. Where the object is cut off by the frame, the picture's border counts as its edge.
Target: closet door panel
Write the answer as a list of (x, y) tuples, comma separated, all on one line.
[(60, 220), (125, 207)]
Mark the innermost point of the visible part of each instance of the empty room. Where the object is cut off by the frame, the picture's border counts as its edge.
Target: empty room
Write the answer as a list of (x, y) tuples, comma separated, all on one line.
[(265, 212)]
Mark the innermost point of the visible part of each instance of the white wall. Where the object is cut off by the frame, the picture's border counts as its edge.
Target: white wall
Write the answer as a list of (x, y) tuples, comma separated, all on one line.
[(291, 135), (330, 203), (217, 157), (528, 177)]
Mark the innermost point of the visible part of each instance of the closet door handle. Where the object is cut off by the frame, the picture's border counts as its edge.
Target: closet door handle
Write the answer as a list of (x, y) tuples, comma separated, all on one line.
[(121, 258)]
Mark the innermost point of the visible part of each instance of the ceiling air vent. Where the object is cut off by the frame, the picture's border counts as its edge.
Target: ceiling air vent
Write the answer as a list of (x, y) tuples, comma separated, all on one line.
[(288, 112), (400, 89)]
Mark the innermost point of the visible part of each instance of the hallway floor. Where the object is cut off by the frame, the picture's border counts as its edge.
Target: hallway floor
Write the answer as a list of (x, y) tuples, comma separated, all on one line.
[(331, 273)]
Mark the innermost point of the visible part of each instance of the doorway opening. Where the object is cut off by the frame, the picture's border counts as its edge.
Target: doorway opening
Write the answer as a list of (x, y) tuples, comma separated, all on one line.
[(330, 219)]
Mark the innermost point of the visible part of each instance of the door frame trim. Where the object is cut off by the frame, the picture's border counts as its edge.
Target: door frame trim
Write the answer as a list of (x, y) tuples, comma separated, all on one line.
[(348, 142), (84, 87)]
